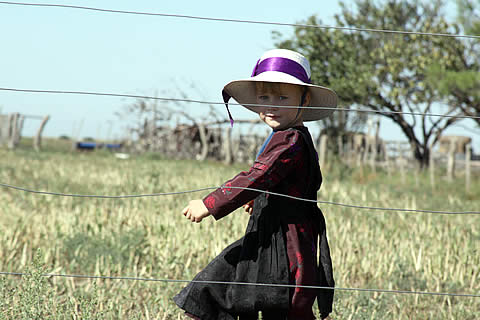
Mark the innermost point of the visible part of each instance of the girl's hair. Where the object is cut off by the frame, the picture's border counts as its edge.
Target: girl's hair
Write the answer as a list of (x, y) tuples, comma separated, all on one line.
[(275, 87)]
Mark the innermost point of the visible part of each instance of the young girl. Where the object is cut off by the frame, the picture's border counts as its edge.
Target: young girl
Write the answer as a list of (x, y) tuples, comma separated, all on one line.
[(280, 243)]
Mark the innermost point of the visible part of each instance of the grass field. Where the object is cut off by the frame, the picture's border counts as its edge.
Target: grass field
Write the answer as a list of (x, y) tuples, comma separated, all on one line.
[(149, 238)]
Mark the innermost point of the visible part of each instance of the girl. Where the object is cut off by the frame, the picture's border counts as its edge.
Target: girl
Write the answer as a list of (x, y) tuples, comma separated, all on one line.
[(280, 243)]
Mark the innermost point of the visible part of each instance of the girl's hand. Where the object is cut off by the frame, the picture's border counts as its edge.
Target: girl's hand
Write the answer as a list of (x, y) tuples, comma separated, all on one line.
[(248, 207), (195, 211)]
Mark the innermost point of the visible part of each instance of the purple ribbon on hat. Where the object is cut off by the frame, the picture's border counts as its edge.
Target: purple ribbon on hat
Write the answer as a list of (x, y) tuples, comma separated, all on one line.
[(279, 64), (284, 65)]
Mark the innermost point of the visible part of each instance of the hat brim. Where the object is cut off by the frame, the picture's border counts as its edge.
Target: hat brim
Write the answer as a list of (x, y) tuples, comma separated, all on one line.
[(243, 91)]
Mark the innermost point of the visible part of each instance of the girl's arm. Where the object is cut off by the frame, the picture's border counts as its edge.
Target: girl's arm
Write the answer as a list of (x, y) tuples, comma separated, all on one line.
[(284, 153)]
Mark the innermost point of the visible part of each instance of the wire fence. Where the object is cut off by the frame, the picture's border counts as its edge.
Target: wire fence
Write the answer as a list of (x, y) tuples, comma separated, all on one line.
[(104, 10), (232, 187), (124, 95), (81, 276), (170, 15)]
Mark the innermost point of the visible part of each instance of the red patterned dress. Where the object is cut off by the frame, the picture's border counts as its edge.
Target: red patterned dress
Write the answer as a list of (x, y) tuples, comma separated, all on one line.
[(280, 245)]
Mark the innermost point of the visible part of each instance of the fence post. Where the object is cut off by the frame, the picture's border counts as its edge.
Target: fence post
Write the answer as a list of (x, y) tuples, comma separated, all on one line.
[(349, 153), (13, 119), (366, 150), (174, 143), (468, 156), (323, 149), (203, 139), (340, 146), (37, 141), (431, 162), (386, 158), (451, 160), (228, 146), (18, 133), (373, 154), (401, 160)]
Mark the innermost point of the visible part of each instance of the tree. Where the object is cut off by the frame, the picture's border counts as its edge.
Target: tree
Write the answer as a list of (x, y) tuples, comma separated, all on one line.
[(386, 72), (469, 15), (461, 84)]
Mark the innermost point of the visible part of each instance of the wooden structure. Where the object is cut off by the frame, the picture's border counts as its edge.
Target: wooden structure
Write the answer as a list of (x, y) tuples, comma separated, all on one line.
[(11, 126), (453, 146), (201, 141), (216, 141)]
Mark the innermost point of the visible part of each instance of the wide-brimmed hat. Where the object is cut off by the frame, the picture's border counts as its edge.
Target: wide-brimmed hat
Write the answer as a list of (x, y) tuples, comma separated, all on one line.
[(282, 66)]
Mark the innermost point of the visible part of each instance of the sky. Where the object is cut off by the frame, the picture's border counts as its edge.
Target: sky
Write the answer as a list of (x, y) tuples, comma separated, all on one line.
[(65, 49)]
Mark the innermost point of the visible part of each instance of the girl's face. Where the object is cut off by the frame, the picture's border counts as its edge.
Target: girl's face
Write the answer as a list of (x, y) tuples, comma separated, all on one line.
[(280, 95)]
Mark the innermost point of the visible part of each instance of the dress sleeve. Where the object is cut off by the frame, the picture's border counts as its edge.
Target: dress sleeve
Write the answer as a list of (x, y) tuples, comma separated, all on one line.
[(282, 154)]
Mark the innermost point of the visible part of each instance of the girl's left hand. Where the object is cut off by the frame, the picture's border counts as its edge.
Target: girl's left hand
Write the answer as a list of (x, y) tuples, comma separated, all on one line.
[(195, 211)]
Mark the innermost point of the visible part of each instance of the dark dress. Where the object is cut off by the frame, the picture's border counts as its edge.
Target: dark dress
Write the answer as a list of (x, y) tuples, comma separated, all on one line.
[(280, 243)]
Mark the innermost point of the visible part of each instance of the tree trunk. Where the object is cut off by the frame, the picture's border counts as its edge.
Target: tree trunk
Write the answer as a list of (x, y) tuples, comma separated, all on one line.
[(420, 149)]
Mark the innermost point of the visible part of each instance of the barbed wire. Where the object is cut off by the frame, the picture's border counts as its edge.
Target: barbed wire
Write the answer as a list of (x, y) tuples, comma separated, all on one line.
[(470, 295), (231, 187), (390, 291), (170, 15), (124, 95)]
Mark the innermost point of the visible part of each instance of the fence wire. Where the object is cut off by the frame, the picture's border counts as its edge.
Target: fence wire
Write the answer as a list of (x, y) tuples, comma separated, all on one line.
[(231, 187), (170, 15), (124, 95), (389, 291), (81, 276)]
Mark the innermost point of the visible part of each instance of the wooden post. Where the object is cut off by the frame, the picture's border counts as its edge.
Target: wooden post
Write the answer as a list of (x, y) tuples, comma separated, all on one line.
[(37, 141), (174, 144), (387, 159), (203, 139), (359, 143), (400, 160), (340, 147), (366, 149), (236, 143), (368, 141), (349, 153), (323, 150), (416, 165), (451, 160), (468, 157), (373, 154), (359, 154), (228, 146), (18, 133), (432, 169), (3, 128), (8, 131), (13, 119)]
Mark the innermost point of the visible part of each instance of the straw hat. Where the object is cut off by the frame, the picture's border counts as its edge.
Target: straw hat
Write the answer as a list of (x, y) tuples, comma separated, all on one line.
[(282, 66)]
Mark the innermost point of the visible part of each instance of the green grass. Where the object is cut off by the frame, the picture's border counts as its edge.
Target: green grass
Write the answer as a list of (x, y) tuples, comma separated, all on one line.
[(149, 237)]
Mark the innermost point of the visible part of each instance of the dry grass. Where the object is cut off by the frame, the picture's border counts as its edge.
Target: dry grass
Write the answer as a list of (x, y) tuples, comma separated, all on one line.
[(150, 238)]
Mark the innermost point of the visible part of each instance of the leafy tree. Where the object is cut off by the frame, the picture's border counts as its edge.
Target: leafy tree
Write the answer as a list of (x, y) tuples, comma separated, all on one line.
[(386, 72), (469, 15), (461, 84)]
